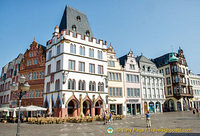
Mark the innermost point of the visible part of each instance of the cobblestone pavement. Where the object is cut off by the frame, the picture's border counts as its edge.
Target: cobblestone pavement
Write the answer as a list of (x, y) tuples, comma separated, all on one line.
[(181, 121)]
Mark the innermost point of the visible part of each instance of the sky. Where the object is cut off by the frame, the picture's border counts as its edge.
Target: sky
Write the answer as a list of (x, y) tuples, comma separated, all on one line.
[(150, 27)]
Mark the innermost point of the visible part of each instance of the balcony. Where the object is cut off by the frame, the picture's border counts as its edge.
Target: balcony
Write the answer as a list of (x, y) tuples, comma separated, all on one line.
[(187, 93)]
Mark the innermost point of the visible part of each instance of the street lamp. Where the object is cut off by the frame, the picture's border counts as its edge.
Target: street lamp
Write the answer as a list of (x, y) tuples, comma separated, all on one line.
[(24, 87)]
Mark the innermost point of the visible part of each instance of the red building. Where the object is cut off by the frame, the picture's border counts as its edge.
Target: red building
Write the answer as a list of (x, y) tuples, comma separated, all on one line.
[(33, 67)]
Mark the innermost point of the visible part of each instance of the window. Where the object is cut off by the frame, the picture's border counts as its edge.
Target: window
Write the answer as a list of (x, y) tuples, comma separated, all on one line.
[(82, 66), (168, 80), (32, 93), (81, 85), (91, 68), (132, 66), (92, 86), (49, 69), (115, 91), (133, 92), (82, 50), (31, 75), (74, 27), (49, 55), (132, 78), (87, 33), (48, 87), (78, 18), (100, 69), (35, 53), (57, 85), (100, 55), (58, 65), (91, 52), (73, 48), (72, 84), (169, 91), (71, 65), (36, 93), (101, 87), (111, 63), (58, 49), (36, 61), (42, 74), (39, 75), (167, 71), (114, 76)]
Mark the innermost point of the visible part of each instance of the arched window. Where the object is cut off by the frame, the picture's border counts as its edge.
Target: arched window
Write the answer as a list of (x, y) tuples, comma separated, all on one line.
[(87, 33), (73, 84), (102, 86), (90, 86), (99, 86), (69, 84), (74, 27), (79, 85), (78, 18), (83, 85), (93, 86)]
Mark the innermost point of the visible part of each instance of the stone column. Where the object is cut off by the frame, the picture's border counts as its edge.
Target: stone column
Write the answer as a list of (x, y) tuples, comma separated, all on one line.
[(92, 111), (81, 106)]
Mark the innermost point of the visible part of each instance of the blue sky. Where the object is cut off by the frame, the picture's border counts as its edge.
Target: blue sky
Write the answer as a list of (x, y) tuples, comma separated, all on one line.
[(151, 27)]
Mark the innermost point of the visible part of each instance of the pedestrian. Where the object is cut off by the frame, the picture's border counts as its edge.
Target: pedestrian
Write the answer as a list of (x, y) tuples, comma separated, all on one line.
[(148, 121), (193, 111), (104, 118), (197, 111), (110, 117)]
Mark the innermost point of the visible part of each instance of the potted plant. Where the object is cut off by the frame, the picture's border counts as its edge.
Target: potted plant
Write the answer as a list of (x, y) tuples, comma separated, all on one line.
[(5, 118)]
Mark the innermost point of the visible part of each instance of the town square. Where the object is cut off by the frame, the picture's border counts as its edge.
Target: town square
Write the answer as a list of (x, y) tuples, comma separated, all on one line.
[(83, 68)]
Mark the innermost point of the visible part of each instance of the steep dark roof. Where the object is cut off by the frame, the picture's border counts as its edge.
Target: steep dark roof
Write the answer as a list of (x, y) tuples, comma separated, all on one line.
[(122, 60), (142, 58), (162, 60), (69, 19)]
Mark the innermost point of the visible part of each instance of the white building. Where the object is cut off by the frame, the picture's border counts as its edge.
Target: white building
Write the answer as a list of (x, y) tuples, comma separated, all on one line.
[(153, 96), (76, 69), (195, 83)]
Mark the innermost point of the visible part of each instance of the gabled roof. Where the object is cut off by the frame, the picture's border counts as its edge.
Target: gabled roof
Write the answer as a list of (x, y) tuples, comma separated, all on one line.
[(142, 58), (69, 19), (123, 59)]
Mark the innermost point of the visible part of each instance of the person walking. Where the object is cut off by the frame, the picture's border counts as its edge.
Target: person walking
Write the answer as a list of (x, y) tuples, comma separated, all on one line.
[(197, 111), (148, 121), (193, 111), (110, 117), (104, 118)]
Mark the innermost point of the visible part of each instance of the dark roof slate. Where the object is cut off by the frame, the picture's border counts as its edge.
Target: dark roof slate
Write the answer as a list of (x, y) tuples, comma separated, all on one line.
[(69, 19)]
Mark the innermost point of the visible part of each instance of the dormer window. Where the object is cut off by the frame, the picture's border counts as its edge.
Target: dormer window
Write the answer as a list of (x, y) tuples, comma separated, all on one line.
[(78, 18), (87, 33), (74, 27)]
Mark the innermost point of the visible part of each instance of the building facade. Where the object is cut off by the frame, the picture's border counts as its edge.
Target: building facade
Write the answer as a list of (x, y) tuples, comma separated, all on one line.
[(195, 83), (33, 68), (76, 69), (153, 96), (9, 74), (132, 84), (177, 88), (116, 93)]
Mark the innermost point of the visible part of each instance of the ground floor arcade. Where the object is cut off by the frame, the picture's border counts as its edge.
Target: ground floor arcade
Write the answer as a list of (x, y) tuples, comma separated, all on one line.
[(152, 106), (74, 107), (173, 104)]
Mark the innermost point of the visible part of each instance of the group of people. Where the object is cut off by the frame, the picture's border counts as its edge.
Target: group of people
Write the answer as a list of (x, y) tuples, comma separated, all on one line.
[(110, 120)]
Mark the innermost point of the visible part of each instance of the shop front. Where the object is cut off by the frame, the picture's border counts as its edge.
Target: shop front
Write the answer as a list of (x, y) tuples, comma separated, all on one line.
[(151, 107), (133, 107), (116, 109)]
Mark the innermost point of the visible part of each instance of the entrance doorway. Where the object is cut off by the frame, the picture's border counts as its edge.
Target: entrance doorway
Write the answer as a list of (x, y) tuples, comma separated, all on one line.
[(145, 107)]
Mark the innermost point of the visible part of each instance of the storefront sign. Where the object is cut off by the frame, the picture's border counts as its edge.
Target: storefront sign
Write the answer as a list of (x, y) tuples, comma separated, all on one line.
[(133, 100)]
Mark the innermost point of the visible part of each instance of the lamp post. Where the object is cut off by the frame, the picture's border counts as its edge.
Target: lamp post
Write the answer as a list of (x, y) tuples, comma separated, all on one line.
[(23, 88)]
